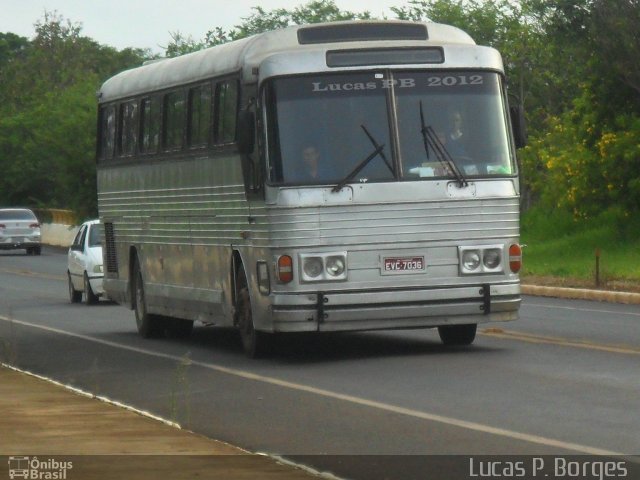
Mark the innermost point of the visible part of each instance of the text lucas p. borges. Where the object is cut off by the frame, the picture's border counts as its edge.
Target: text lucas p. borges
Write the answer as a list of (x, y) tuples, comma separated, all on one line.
[(555, 467)]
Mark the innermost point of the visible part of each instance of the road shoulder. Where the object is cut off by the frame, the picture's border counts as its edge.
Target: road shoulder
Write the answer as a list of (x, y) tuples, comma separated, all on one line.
[(44, 419), (611, 296)]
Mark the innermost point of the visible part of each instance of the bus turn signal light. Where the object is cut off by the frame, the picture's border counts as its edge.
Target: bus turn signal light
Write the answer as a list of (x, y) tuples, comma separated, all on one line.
[(285, 268), (515, 258)]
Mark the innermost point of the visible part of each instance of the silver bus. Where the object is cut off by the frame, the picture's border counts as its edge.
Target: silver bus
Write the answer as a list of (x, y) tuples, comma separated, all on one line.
[(333, 177)]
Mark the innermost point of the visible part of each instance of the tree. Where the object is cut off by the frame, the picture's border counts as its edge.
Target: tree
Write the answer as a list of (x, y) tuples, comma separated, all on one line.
[(586, 157), (261, 20), (47, 115), (12, 46), (181, 45), (487, 22), (316, 11), (501, 24), (615, 36)]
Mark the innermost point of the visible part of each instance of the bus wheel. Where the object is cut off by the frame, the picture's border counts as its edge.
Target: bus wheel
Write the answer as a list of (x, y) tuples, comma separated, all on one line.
[(458, 334), (148, 325), (254, 343)]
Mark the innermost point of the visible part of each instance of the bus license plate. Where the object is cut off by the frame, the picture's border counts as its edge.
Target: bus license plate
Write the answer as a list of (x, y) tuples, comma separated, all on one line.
[(403, 264)]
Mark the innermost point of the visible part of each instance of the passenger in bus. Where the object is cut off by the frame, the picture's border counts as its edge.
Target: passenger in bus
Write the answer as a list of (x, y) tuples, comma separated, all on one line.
[(313, 169), (434, 167), (456, 143), (455, 139)]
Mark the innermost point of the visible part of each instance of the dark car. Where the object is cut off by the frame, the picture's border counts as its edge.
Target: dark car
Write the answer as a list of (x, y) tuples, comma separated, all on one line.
[(19, 229)]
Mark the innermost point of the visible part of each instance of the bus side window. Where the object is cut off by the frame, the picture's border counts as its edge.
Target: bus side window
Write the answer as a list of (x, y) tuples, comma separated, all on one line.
[(174, 120), (128, 128), (226, 111), (274, 161), (199, 115), (150, 125), (107, 132)]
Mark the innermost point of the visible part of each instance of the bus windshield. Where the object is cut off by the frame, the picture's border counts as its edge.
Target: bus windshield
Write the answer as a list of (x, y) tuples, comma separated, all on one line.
[(322, 127)]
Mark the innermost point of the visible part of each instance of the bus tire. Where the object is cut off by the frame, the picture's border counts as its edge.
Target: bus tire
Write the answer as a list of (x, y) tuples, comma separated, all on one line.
[(254, 343), (148, 325), (458, 334)]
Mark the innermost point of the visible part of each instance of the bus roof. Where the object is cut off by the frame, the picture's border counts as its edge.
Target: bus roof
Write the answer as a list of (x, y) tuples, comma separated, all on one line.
[(246, 55)]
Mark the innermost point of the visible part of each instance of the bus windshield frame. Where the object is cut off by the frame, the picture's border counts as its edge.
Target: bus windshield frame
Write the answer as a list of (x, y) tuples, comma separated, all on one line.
[(321, 128)]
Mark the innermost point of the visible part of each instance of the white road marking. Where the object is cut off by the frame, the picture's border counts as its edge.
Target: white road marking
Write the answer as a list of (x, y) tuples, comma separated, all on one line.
[(102, 398), (536, 439)]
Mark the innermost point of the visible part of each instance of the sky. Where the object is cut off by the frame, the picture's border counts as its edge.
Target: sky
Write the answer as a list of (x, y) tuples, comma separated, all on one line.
[(149, 23)]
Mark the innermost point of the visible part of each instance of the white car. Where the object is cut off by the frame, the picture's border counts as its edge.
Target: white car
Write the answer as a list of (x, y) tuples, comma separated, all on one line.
[(19, 228), (84, 265)]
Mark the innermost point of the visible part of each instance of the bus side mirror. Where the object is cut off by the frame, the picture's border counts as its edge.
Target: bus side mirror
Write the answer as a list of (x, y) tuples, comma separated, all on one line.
[(519, 125), (246, 132)]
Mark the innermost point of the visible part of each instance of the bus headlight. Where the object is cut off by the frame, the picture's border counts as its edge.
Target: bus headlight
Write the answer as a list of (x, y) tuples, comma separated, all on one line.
[(491, 258), (470, 260), (335, 266), (322, 267), (312, 266), (481, 259)]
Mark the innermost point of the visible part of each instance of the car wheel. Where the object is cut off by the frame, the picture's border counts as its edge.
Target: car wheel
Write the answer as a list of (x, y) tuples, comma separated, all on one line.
[(37, 250), (90, 298), (74, 295), (458, 334), (254, 343), (149, 325)]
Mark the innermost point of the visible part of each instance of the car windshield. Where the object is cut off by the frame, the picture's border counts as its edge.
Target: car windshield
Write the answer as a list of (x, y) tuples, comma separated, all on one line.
[(17, 215), (95, 235), (321, 127)]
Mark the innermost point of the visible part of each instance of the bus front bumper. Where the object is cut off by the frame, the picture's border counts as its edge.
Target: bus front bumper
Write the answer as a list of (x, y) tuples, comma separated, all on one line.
[(391, 309)]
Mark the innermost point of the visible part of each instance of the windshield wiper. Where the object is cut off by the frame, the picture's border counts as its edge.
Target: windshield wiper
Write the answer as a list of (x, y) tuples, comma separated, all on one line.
[(432, 141), (376, 145), (379, 150)]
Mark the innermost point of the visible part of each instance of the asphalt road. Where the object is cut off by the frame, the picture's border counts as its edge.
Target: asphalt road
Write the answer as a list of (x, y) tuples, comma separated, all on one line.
[(563, 380)]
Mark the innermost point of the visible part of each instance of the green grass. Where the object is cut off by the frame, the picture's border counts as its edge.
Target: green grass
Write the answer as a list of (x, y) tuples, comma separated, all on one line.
[(558, 246)]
